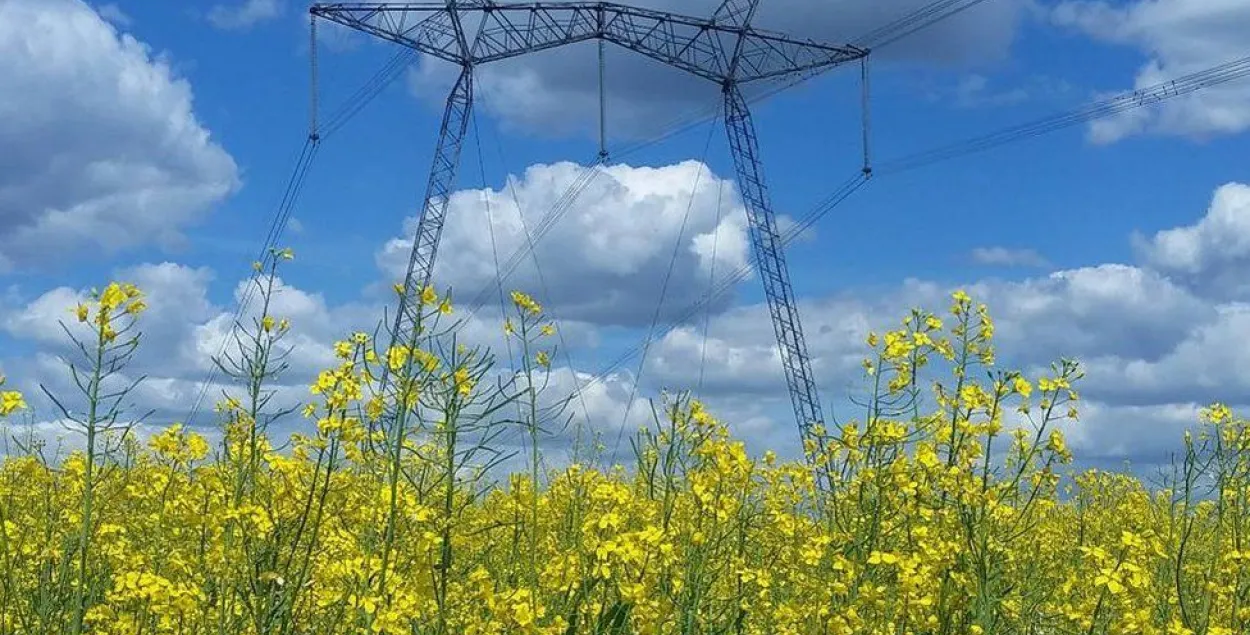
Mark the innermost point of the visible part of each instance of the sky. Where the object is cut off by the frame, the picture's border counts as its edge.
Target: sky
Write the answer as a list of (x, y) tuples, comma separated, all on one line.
[(151, 142)]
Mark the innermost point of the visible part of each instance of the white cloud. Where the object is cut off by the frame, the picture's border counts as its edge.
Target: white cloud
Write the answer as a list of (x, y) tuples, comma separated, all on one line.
[(1095, 312), (1178, 37), (1109, 309), (1009, 257), (741, 355), (59, 437), (1142, 435), (245, 15), (1211, 255), (1205, 366), (604, 261), (181, 331), (1147, 345), (102, 148)]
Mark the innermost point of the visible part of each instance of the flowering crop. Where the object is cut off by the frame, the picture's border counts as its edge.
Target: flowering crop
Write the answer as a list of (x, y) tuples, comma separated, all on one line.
[(941, 509)]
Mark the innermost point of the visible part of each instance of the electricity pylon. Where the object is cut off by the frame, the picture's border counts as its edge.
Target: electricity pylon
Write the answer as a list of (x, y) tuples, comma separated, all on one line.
[(725, 49)]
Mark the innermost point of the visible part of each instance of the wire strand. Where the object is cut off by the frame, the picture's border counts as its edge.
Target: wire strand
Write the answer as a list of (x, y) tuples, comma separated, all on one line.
[(711, 280), (668, 275), (542, 281)]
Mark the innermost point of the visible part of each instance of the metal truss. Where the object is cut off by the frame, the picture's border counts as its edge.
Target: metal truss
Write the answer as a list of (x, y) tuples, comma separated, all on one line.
[(770, 260), (707, 48), (442, 181), (725, 49)]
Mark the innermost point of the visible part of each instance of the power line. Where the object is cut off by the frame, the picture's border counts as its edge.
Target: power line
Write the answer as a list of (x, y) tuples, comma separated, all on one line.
[(294, 186), (915, 21), (1193, 82), (668, 275)]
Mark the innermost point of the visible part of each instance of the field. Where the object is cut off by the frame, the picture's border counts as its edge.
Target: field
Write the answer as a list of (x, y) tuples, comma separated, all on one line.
[(943, 508)]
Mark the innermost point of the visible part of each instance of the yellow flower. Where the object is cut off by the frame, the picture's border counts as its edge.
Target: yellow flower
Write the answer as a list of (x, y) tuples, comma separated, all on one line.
[(526, 303), (894, 534), (1022, 386), (463, 383), (397, 357), (10, 402)]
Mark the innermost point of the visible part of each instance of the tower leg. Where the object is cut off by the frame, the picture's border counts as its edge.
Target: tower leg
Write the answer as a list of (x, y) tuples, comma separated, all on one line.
[(443, 174), (769, 259)]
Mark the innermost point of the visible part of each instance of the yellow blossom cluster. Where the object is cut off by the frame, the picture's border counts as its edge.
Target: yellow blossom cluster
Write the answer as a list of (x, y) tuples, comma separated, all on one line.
[(943, 510), (105, 308), (10, 400)]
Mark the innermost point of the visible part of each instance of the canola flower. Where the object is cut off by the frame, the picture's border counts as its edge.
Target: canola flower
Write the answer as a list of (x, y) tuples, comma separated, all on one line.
[(11, 401), (943, 510)]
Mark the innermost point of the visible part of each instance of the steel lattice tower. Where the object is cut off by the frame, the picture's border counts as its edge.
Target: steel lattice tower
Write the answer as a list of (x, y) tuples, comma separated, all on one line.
[(725, 49)]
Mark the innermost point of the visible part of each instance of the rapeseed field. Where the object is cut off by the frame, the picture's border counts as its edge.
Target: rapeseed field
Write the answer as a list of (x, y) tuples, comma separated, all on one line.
[(942, 508)]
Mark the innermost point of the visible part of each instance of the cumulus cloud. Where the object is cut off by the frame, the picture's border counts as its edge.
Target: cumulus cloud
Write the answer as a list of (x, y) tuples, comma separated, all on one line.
[(1178, 37), (1210, 256), (181, 331), (59, 437), (1105, 310), (102, 148), (741, 354), (1150, 347), (604, 261), (1205, 366)]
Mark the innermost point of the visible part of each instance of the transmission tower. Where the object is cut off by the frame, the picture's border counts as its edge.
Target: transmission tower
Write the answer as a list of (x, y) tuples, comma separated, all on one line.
[(725, 49)]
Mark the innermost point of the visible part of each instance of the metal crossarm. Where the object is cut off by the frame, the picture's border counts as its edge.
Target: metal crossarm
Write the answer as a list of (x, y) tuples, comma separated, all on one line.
[(703, 47), (725, 49)]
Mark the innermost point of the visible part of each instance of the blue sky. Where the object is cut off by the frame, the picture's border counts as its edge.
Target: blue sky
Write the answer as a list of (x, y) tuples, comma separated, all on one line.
[(200, 108)]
